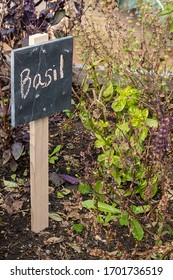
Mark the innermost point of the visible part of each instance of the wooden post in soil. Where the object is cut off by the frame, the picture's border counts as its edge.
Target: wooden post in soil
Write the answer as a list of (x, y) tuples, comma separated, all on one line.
[(39, 134)]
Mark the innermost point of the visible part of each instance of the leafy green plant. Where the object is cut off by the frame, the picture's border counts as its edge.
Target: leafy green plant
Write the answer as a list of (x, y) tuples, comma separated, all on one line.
[(84, 189), (129, 220), (123, 144), (53, 157), (63, 192), (78, 228), (126, 106)]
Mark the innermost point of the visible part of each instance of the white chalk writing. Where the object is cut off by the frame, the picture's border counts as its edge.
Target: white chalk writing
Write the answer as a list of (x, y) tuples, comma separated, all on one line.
[(61, 67), (40, 80), (25, 82)]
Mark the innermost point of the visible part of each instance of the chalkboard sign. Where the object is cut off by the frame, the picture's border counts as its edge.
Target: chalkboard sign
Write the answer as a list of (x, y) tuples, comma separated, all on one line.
[(41, 79)]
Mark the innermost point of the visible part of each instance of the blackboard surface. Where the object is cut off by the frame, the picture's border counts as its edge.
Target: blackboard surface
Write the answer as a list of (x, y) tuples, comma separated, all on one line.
[(41, 80)]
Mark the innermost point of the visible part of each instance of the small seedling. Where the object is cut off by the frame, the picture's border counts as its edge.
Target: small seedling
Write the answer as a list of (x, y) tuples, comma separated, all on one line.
[(52, 156), (78, 228), (84, 189)]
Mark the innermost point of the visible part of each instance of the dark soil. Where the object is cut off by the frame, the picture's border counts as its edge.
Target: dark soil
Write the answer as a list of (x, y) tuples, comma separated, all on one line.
[(77, 158)]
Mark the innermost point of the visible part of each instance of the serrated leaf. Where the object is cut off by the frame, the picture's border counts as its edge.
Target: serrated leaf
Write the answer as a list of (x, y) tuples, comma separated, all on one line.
[(17, 150), (106, 208), (10, 184), (78, 228), (137, 230), (89, 204), (54, 216), (84, 189)]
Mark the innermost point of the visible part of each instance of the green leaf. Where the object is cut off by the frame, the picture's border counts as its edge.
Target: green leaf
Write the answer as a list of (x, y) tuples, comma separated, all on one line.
[(105, 156), (89, 204), (86, 119), (128, 193), (98, 186), (54, 216), (106, 208), (78, 228), (59, 195), (151, 122), (56, 150), (119, 104), (154, 185), (116, 174), (110, 218), (68, 113), (124, 219), (167, 10), (108, 92), (95, 63), (122, 129), (84, 189), (53, 159), (140, 209), (137, 230), (100, 142), (10, 184), (143, 134)]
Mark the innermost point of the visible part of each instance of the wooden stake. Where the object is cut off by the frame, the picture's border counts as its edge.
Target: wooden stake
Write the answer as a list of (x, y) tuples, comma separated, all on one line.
[(39, 134)]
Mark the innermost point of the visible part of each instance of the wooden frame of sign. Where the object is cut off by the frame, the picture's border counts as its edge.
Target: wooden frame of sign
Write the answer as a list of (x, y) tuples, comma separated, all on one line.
[(41, 78)]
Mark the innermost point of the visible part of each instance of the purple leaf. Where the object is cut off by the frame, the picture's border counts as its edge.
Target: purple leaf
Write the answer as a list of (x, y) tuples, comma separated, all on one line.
[(56, 119), (17, 150), (70, 179)]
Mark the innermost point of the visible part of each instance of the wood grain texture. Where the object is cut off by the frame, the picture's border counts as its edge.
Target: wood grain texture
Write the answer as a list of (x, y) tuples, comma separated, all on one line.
[(39, 137)]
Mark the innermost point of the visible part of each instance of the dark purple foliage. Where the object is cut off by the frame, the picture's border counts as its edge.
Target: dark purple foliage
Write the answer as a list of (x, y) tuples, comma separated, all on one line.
[(21, 16), (162, 141), (70, 179)]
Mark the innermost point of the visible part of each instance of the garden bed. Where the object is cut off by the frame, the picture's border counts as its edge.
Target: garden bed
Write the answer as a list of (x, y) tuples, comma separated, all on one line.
[(77, 158)]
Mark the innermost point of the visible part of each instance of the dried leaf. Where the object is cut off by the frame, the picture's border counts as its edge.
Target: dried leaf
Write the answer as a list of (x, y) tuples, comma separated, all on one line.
[(17, 150), (13, 165), (54, 216), (17, 205), (56, 179), (6, 156), (10, 184), (53, 240), (74, 247)]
